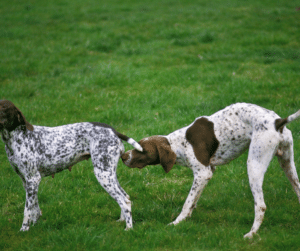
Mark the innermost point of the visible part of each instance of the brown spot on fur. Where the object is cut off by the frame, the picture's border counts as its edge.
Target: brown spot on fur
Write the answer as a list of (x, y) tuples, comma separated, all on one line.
[(279, 123), (202, 137)]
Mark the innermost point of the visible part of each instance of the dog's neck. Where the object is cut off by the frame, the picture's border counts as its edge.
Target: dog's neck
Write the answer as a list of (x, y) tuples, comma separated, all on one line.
[(8, 135), (177, 137)]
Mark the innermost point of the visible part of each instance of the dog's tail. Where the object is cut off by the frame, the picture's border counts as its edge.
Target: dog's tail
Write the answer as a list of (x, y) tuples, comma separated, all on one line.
[(121, 136), (280, 123), (130, 141)]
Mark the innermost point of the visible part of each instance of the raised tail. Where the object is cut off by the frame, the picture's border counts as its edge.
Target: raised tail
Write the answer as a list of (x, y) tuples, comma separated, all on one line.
[(130, 141), (280, 123)]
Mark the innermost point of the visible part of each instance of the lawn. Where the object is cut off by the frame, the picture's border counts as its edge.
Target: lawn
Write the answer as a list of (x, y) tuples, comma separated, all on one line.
[(149, 68)]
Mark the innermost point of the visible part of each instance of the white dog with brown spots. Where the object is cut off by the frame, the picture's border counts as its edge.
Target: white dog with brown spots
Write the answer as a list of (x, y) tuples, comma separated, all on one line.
[(218, 139)]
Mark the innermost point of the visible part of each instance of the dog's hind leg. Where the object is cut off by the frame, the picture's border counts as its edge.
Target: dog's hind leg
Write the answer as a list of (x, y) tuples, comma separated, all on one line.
[(286, 160), (128, 201), (260, 155), (105, 167)]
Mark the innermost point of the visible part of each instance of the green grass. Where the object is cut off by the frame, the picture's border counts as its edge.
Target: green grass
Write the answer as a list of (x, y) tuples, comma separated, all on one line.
[(148, 68)]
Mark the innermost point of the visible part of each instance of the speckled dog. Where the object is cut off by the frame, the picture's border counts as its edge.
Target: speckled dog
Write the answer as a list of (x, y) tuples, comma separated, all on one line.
[(216, 140), (37, 151)]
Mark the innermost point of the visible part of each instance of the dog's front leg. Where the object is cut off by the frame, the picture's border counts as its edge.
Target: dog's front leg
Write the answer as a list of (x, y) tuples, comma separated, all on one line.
[(202, 175), (32, 210)]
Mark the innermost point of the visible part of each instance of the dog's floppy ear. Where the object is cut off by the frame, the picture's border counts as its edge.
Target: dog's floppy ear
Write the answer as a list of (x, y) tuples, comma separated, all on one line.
[(12, 117), (23, 121), (166, 156)]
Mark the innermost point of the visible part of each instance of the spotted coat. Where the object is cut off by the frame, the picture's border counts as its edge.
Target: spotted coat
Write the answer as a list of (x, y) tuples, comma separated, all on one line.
[(38, 151), (216, 140)]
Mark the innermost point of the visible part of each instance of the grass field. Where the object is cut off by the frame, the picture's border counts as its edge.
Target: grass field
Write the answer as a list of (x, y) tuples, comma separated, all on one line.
[(148, 68)]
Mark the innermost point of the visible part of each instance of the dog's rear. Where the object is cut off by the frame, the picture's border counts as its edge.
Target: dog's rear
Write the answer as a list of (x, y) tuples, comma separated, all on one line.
[(280, 123)]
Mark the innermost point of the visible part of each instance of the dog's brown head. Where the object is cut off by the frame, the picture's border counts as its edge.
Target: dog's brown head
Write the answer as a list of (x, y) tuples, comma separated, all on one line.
[(11, 117), (156, 150)]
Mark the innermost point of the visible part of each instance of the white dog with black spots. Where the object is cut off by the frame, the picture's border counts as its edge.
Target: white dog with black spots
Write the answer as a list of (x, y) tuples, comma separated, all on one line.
[(38, 151)]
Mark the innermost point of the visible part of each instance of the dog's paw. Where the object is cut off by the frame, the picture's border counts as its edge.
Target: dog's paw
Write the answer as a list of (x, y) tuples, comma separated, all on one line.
[(174, 223), (122, 218), (249, 235), (128, 228), (24, 228)]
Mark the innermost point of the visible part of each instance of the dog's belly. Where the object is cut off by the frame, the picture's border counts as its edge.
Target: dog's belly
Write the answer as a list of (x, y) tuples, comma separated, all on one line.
[(51, 166), (228, 151)]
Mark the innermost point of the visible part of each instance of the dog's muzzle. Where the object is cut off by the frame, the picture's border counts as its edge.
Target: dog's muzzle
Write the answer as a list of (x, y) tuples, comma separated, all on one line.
[(126, 158)]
